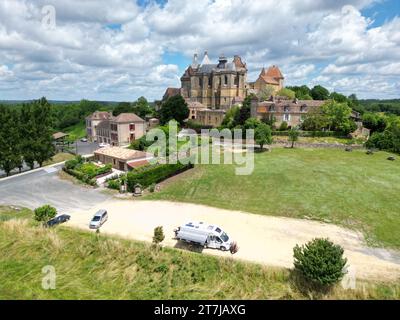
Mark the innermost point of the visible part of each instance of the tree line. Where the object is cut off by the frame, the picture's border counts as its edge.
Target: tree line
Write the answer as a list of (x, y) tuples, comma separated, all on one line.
[(25, 135)]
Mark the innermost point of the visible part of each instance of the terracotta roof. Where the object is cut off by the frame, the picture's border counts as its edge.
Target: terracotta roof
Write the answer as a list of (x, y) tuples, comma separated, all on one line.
[(271, 76), (121, 153), (127, 117), (274, 72), (138, 163), (99, 115)]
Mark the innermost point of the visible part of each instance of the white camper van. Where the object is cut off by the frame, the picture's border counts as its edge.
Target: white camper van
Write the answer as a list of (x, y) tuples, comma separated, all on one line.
[(205, 235)]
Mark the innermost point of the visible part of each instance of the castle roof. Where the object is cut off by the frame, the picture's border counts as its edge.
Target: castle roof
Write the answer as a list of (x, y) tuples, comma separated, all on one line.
[(171, 92), (271, 76)]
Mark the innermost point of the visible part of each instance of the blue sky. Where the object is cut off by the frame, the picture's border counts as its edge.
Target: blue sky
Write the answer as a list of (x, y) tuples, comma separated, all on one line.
[(120, 50)]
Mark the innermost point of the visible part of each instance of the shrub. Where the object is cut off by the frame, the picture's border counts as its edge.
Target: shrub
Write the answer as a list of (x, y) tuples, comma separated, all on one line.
[(152, 187), (158, 235), (73, 163), (114, 184), (45, 213), (283, 126), (320, 261), (147, 175)]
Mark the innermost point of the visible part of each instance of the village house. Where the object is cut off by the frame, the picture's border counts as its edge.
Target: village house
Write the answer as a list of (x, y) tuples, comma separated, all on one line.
[(121, 158), (116, 131), (93, 121), (282, 109)]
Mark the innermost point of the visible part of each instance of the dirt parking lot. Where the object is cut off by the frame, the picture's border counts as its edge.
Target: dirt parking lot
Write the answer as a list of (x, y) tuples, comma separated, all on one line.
[(261, 239)]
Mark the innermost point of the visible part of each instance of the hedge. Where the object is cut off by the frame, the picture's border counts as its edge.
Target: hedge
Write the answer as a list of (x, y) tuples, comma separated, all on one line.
[(311, 134), (81, 176), (148, 175)]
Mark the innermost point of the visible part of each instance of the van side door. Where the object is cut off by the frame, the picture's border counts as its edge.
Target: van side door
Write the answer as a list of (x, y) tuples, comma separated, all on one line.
[(211, 242)]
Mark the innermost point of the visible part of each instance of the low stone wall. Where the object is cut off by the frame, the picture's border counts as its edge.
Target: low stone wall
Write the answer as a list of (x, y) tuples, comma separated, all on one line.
[(318, 145)]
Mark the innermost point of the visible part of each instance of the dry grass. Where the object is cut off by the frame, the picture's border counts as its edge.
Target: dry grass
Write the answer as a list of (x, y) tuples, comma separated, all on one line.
[(91, 266)]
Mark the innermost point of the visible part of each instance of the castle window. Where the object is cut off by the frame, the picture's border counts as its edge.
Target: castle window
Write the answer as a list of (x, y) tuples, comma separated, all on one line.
[(271, 108), (210, 81), (226, 80), (236, 80), (286, 109), (303, 108), (200, 82), (286, 117)]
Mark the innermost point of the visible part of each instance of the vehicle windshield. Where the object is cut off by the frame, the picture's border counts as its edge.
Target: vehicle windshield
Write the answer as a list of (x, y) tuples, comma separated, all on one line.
[(224, 237), (96, 218)]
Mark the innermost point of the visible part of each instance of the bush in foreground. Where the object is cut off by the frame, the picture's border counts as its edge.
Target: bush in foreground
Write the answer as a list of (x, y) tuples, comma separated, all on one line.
[(320, 261), (45, 213), (158, 235)]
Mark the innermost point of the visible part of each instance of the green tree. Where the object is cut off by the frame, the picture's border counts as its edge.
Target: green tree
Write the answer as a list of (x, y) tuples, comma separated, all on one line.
[(229, 119), (320, 93), (263, 135), (158, 236), (266, 93), (244, 112), (338, 115), (320, 261), (36, 132), (302, 92), (293, 136), (10, 156), (43, 145), (338, 97), (122, 107), (175, 108), (285, 92), (251, 123), (315, 120), (375, 122), (142, 108), (45, 213), (28, 135)]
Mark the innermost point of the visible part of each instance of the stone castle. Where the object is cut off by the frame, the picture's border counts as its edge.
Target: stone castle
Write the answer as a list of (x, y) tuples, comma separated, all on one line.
[(224, 84)]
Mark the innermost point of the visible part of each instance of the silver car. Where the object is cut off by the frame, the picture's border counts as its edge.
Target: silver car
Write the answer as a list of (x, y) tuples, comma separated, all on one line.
[(98, 219)]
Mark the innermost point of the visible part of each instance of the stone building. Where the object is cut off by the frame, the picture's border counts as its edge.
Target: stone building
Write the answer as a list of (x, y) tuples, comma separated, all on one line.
[(93, 121), (210, 117), (293, 112), (116, 131), (268, 78), (215, 85)]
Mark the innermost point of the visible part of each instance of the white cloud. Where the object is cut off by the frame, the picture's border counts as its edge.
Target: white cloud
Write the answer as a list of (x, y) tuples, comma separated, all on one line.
[(89, 55)]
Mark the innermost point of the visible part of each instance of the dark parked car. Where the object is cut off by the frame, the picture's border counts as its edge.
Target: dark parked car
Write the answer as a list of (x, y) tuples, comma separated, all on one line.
[(58, 220)]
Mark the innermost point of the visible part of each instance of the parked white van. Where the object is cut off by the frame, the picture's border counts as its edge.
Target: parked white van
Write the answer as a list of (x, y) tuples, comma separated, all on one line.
[(205, 235)]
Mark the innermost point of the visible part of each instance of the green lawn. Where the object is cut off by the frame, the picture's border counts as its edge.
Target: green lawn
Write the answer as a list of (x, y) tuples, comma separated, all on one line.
[(88, 266), (77, 131), (346, 188), (59, 157)]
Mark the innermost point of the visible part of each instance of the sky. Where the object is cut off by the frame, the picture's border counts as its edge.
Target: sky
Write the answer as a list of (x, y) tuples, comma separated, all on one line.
[(119, 50)]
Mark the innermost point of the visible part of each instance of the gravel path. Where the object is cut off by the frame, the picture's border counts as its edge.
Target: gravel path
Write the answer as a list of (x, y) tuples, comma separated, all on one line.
[(262, 239)]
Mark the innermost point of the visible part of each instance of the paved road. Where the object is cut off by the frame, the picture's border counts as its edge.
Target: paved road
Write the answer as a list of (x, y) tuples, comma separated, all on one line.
[(44, 187)]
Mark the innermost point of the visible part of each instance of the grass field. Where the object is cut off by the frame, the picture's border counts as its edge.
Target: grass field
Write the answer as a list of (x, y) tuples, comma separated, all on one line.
[(89, 266), (347, 188), (59, 157), (77, 131)]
